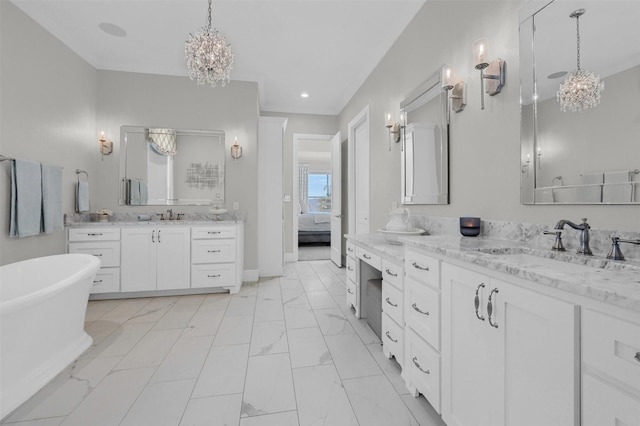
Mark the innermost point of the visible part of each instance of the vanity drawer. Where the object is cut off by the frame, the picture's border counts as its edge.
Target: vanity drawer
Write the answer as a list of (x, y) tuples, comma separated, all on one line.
[(422, 267), (352, 294), (612, 346), (351, 269), (368, 257), (351, 250), (422, 311), (423, 368), (213, 251), (392, 339), (107, 280), (392, 273), (603, 404), (209, 232), (216, 275), (105, 233), (108, 252), (392, 303)]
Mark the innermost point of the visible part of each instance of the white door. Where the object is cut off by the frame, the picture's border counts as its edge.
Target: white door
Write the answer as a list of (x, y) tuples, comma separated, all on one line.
[(174, 258), (358, 167), (336, 200)]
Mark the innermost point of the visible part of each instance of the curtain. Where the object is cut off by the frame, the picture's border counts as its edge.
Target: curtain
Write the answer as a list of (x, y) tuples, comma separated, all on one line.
[(303, 185)]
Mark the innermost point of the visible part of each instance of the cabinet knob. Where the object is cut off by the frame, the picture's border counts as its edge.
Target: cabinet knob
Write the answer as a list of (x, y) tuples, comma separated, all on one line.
[(366, 256), (391, 338), (476, 301), (415, 362)]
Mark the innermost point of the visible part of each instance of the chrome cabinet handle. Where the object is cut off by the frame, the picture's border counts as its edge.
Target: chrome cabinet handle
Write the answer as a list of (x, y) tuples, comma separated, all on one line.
[(477, 301), (97, 281), (422, 268), (490, 308), (415, 362), (214, 251), (415, 308), (366, 256), (158, 235), (94, 234), (395, 305), (391, 338), (349, 291), (637, 356), (214, 232), (213, 276), (390, 273), (98, 255), (153, 236)]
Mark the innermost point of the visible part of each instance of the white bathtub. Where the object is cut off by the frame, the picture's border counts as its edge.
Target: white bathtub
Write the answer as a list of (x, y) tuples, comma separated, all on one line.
[(43, 302)]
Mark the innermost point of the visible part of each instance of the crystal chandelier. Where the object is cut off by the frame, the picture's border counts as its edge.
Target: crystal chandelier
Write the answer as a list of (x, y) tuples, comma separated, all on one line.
[(581, 89), (209, 56)]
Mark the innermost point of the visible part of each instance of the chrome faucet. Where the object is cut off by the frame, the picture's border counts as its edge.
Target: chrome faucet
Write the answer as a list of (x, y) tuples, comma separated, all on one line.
[(170, 214), (615, 253), (584, 235)]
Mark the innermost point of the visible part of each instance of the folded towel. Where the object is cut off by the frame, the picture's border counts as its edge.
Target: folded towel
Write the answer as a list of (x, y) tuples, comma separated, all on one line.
[(26, 198), (135, 192), (547, 195), (617, 193), (589, 194), (322, 217), (616, 177), (51, 198), (82, 197)]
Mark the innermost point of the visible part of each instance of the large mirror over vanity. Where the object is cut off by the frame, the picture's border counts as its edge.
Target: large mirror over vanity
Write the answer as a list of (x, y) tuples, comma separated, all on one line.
[(425, 145), (590, 156), (164, 166)]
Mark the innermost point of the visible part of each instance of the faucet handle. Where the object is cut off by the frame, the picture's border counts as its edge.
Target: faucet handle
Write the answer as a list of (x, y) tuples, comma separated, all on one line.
[(557, 243), (615, 253)]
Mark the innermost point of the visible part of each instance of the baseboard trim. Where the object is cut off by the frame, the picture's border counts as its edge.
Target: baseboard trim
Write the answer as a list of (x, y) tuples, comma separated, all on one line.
[(249, 275), (288, 257)]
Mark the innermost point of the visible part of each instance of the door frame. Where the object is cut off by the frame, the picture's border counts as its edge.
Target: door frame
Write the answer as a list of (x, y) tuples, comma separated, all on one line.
[(297, 137), (361, 119)]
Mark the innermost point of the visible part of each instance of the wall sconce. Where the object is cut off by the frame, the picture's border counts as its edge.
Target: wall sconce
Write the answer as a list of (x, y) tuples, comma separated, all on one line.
[(394, 128), (236, 149), (496, 71), (457, 87), (539, 154), (106, 146)]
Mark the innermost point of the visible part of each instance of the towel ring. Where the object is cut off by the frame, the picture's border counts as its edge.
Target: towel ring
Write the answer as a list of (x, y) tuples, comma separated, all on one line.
[(78, 172)]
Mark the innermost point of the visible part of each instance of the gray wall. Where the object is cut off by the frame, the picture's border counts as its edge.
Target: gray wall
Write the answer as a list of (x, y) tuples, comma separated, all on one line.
[(48, 115), (485, 145)]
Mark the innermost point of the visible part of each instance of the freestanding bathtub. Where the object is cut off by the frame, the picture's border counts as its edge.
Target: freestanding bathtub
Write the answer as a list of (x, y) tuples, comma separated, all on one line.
[(43, 302)]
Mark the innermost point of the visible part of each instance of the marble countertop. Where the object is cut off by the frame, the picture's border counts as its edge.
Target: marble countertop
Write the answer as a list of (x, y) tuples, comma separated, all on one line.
[(380, 246), (613, 282), (132, 219)]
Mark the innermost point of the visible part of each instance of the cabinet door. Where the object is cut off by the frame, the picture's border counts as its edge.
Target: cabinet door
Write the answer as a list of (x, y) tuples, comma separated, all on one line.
[(540, 354), (173, 251), (468, 371), (138, 263)]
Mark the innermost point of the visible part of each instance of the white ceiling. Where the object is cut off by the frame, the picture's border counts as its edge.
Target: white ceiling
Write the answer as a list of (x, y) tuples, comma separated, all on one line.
[(323, 47)]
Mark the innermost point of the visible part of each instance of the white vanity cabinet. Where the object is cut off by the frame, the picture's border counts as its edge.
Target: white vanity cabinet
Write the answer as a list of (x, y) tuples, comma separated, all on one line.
[(610, 370), (509, 355), (104, 243), (353, 300), (393, 339), (421, 372), (214, 257), (155, 258)]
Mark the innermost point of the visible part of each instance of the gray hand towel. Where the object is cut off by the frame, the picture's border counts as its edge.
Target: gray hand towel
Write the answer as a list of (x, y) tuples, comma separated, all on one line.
[(51, 198), (26, 198), (82, 197)]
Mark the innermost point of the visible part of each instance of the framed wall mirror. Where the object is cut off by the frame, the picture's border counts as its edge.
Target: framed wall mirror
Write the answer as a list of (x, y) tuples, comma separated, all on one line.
[(425, 145), (592, 156), (162, 166)]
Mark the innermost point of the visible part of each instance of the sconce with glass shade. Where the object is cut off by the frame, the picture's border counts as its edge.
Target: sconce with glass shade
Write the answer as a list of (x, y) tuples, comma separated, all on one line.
[(236, 149), (394, 128), (495, 70), (106, 145), (450, 83)]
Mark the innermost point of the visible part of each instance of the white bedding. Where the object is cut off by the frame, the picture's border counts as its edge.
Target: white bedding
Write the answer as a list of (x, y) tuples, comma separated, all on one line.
[(314, 222)]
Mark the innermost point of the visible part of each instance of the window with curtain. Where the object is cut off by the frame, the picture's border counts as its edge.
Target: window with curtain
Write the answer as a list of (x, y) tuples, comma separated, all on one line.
[(319, 192)]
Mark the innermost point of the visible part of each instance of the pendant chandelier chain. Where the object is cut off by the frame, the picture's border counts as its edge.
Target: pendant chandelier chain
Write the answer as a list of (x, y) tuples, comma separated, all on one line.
[(209, 23), (577, 35)]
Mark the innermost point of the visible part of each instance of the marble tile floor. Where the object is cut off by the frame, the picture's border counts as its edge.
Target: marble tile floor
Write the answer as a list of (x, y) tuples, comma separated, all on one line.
[(284, 351)]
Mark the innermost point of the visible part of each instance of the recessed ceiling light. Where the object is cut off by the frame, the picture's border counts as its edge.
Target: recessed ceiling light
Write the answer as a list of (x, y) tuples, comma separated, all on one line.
[(112, 29), (304, 94), (557, 75)]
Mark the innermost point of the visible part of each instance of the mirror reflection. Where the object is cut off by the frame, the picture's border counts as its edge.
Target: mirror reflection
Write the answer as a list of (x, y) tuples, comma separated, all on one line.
[(592, 156), (163, 166), (425, 162)]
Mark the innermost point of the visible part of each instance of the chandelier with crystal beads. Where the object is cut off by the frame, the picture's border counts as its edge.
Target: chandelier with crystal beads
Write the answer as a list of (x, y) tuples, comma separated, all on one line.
[(209, 56), (581, 89)]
